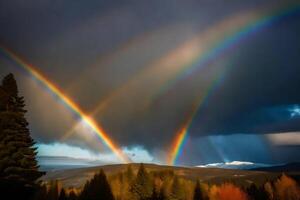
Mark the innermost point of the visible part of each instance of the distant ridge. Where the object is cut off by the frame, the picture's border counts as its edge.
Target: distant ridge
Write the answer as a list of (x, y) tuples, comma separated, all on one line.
[(290, 167), (53, 163)]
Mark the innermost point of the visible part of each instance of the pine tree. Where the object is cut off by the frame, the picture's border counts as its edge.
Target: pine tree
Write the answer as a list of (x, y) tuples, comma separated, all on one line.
[(62, 195), (97, 189), (85, 191), (72, 196), (162, 194), (257, 193), (18, 165), (141, 187), (198, 192), (41, 193), (154, 195)]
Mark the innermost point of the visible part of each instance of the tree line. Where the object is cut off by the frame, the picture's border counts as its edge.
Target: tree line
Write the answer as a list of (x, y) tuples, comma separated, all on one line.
[(166, 185)]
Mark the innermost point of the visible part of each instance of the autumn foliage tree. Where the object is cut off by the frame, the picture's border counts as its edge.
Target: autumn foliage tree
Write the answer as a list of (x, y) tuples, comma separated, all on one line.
[(287, 188), (53, 190), (227, 191), (141, 187), (177, 192)]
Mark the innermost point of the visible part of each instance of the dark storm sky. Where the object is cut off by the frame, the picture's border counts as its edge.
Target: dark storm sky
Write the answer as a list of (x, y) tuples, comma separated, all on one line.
[(91, 49)]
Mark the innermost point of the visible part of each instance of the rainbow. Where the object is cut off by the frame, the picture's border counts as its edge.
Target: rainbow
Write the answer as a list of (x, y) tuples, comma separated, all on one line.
[(180, 138), (220, 47), (229, 33), (68, 102), (175, 61)]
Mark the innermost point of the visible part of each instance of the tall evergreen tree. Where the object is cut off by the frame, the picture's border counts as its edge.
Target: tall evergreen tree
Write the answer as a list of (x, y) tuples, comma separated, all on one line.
[(154, 195), (141, 187), (198, 192), (257, 193), (18, 165), (41, 193), (97, 189), (72, 196), (162, 193), (62, 195)]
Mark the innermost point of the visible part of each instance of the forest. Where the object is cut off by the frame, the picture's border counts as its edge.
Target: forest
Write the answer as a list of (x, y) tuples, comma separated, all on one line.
[(20, 174)]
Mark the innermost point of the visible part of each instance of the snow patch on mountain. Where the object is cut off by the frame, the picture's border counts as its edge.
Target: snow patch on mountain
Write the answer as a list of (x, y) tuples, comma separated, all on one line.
[(234, 165)]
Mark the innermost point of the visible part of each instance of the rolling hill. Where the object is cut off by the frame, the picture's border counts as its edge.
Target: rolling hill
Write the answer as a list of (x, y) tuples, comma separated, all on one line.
[(77, 177)]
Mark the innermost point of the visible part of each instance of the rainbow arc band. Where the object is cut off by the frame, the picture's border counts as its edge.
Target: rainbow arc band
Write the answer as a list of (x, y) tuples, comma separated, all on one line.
[(222, 45), (104, 137)]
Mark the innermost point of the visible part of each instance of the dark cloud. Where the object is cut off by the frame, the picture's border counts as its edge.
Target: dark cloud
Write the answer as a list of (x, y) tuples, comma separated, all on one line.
[(91, 49), (264, 75), (226, 148)]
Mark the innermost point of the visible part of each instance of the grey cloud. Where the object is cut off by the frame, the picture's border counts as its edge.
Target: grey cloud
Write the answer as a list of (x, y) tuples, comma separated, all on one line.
[(91, 49)]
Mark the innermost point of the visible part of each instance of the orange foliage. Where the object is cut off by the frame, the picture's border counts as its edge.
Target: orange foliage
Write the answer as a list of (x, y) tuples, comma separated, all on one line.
[(227, 191), (287, 188), (75, 190), (157, 183), (213, 193), (268, 188)]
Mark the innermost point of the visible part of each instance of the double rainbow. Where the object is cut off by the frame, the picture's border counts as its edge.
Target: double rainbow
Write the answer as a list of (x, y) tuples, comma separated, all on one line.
[(68, 102), (178, 64)]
